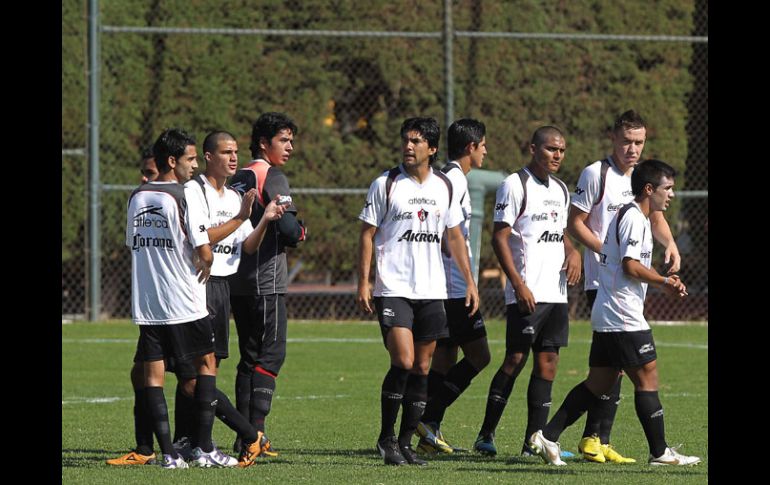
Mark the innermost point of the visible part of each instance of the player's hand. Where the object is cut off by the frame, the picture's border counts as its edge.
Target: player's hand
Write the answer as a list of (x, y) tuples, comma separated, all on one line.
[(202, 269), (364, 298), (672, 260), (573, 265), (472, 299), (246, 202), (674, 286), (525, 299), (273, 211)]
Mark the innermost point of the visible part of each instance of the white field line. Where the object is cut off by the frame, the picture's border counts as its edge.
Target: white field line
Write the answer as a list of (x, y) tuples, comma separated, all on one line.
[(108, 400), (321, 340)]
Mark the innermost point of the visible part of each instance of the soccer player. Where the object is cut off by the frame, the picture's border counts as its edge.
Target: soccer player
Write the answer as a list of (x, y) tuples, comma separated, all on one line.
[(258, 288), (539, 261), (171, 260), (603, 187), (407, 209), (448, 378), (622, 338)]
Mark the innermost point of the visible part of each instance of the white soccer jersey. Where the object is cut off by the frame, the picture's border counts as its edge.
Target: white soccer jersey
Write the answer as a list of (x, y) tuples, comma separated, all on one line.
[(162, 234), (537, 235), (219, 208), (600, 207), (455, 283), (410, 224), (619, 305)]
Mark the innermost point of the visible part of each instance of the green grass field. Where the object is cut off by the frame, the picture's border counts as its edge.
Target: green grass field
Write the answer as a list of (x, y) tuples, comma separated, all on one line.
[(326, 412)]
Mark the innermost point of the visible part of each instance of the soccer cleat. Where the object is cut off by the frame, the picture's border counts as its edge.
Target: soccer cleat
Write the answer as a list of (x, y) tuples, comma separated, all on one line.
[(267, 448), (169, 463), (549, 451), (237, 445), (591, 448), (429, 439), (672, 457), (251, 452), (613, 456), (411, 457), (214, 458), (390, 451), (485, 444), (183, 448), (133, 458), (455, 449)]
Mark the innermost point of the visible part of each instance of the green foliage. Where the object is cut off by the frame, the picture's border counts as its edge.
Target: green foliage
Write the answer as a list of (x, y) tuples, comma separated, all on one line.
[(350, 95)]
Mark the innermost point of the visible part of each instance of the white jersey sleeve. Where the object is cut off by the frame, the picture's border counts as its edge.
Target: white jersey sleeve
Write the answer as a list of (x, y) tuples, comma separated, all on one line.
[(197, 220), (508, 200), (588, 187), (375, 206)]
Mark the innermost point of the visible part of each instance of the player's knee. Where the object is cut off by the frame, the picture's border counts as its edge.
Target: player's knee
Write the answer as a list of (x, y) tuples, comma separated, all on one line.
[(479, 360), (262, 401), (187, 387), (513, 363)]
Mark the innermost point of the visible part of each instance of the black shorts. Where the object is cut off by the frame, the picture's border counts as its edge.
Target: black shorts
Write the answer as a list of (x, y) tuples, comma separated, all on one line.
[(462, 328), (425, 318), (182, 341), (218, 304), (622, 349), (591, 297), (546, 329), (184, 369), (261, 324)]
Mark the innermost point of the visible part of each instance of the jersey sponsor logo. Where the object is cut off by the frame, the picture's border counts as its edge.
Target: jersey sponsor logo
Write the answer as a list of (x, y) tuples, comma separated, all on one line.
[(579, 191), (548, 236), (554, 216), (422, 200), (632, 242), (500, 206), (553, 202), (646, 348), (142, 219), (410, 236), (645, 254), (224, 249), (539, 217), (388, 312), (140, 242), (614, 207), (222, 213), (422, 214), (627, 193), (201, 228), (401, 217)]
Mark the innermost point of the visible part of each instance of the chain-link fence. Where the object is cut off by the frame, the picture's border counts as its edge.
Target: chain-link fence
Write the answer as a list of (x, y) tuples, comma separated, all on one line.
[(349, 74)]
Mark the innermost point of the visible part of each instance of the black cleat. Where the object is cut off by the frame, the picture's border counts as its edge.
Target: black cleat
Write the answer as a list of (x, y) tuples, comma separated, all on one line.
[(411, 457), (388, 448)]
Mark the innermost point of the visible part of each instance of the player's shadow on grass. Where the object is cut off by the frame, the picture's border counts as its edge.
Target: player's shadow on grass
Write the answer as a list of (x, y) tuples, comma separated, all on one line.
[(326, 452), (80, 458)]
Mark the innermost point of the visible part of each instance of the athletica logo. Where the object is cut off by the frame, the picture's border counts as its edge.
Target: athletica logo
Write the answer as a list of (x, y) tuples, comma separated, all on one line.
[(141, 218), (551, 237), (646, 348), (410, 236), (552, 202), (239, 187), (657, 413), (387, 312), (500, 207), (579, 191), (151, 210), (422, 200), (422, 214), (632, 242), (530, 330)]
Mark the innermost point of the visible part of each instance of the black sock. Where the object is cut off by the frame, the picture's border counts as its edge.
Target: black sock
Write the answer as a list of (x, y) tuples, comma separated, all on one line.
[(608, 412), (413, 405), (185, 412), (243, 391), (435, 383), (156, 407), (233, 419), (393, 387), (262, 388), (499, 392), (456, 382), (538, 405), (650, 413), (142, 424), (205, 398), (575, 404)]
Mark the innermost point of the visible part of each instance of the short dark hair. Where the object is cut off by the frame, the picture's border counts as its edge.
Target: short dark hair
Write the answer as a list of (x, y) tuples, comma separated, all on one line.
[(147, 153), (428, 128), (630, 120), (268, 125), (541, 134), (650, 172), (462, 132), (170, 143), (213, 138)]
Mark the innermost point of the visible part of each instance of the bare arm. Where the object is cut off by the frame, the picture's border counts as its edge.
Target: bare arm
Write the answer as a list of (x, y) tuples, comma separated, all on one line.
[(365, 248), (220, 232), (577, 227), (670, 284), (524, 297), (572, 262), (272, 213), (662, 233), (459, 251)]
